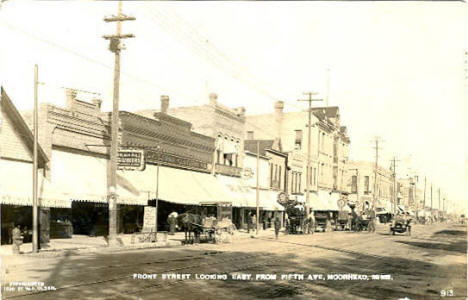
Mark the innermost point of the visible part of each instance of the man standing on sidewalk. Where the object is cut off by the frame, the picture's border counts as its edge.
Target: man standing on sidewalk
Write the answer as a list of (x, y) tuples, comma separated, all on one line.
[(17, 239), (372, 220), (249, 222), (277, 226)]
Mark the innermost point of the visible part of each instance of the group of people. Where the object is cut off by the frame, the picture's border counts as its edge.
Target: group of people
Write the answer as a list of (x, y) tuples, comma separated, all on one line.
[(252, 223), (307, 225)]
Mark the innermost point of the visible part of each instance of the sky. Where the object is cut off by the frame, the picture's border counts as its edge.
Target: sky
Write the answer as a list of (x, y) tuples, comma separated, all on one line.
[(396, 69)]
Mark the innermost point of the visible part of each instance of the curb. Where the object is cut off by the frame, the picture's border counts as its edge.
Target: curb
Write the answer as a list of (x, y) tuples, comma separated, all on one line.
[(100, 249)]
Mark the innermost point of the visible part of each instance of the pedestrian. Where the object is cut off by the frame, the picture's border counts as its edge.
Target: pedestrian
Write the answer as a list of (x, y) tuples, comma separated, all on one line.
[(372, 220), (249, 222), (311, 223), (265, 221), (17, 239), (254, 222), (287, 225), (277, 223), (172, 220)]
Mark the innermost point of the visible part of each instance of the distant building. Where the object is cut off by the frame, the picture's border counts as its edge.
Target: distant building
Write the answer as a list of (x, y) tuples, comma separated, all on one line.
[(360, 181)]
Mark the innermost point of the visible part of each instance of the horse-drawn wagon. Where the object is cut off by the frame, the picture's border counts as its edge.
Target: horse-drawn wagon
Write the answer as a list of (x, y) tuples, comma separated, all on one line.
[(211, 222)]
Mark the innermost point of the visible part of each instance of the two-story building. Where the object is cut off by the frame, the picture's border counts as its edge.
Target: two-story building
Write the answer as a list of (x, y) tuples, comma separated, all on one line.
[(272, 177), (177, 168), (226, 126), (328, 154), (366, 184)]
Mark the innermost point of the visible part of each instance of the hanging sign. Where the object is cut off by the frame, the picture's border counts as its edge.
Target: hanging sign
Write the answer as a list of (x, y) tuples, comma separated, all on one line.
[(131, 160)]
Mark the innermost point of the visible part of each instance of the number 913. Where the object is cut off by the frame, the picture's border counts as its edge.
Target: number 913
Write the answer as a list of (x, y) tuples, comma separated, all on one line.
[(446, 293)]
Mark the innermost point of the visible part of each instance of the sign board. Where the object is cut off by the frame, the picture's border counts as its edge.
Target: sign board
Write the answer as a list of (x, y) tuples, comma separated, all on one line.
[(149, 219), (131, 160)]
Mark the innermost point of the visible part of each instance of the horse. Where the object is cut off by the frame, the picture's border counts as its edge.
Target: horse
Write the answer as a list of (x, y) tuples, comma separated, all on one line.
[(356, 221), (189, 223)]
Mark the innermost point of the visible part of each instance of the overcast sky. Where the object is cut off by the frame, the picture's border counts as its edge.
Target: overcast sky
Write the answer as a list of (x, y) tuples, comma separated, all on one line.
[(396, 69)]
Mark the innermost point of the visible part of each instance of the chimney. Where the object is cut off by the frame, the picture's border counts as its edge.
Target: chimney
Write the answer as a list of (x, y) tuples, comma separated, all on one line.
[(71, 97), (240, 111), (97, 103), (213, 98), (164, 104), (279, 105)]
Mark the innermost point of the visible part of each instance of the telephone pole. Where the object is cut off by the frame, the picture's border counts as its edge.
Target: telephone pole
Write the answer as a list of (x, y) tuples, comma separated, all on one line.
[(115, 46), (376, 167), (424, 201), (310, 100), (439, 205), (35, 235), (395, 192), (431, 199)]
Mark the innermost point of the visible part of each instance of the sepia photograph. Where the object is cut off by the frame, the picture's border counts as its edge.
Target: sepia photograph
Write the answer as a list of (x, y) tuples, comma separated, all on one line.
[(233, 150)]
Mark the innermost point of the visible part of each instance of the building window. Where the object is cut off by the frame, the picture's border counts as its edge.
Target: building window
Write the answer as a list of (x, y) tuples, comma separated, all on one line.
[(298, 140), (250, 135), (314, 181), (323, 141), (300, 183), (271, 175), (279, 178), (366, 184), (354, 184), (293, 182)]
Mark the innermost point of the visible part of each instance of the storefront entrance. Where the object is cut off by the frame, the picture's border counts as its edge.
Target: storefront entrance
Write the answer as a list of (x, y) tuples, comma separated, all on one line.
[(90, 218)]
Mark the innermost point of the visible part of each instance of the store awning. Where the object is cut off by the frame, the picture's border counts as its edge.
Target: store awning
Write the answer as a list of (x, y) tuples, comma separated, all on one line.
[(179, 186), (240, 194), (324, 201), (85, 178), (269, 200), (16, 187)]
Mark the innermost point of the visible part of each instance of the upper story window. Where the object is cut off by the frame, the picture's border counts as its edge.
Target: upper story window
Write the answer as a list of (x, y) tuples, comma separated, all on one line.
[(322, 146), (250, 135), (354, 184), (366, 184), (298, 140)]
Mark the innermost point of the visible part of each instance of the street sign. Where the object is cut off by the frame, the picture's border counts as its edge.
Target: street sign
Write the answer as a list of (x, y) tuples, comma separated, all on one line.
[(131, 160)]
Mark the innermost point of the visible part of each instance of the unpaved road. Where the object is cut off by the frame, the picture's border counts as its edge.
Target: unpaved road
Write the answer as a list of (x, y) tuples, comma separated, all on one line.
[(422, 266)]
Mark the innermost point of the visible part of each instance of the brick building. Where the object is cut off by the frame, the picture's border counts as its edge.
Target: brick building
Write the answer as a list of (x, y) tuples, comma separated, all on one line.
[(329, 149)]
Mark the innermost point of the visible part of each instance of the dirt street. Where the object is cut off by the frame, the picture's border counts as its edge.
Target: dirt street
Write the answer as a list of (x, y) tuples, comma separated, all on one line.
[(429, 264)]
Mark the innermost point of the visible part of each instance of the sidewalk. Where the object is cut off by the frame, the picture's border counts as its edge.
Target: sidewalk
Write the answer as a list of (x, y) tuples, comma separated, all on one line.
[(85, 244)]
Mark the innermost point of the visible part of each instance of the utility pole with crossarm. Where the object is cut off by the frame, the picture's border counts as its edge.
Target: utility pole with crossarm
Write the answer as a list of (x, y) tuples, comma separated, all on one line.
[(115, 46), (308, 173)]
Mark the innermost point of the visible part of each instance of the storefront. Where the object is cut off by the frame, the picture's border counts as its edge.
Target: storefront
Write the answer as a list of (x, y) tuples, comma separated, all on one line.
[(82, 178), (16, 201)]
